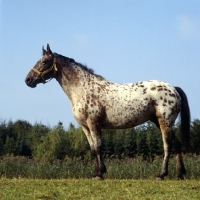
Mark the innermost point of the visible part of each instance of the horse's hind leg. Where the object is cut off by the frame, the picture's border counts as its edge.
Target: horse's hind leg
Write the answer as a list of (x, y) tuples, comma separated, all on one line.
[(180, 164), (167, 143)]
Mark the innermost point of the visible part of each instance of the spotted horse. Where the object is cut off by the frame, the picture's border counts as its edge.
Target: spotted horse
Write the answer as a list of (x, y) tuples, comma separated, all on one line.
[(100, 104)]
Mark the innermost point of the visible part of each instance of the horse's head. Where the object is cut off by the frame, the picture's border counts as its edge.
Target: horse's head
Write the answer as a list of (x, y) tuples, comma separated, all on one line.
[(43, 70)]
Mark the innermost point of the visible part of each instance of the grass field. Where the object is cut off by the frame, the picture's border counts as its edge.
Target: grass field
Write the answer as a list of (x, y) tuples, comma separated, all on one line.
[(23, 178), (92, 189)]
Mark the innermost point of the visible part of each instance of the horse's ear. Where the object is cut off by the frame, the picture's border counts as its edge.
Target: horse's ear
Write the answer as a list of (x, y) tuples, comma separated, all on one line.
[(43, 51), (48, 49)]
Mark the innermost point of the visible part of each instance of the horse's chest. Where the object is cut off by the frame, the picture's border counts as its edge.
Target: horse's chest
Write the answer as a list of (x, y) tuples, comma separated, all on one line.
[(88, 106)]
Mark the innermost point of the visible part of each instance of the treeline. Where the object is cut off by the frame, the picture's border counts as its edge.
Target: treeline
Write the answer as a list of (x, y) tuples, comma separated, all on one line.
[(20, 138)]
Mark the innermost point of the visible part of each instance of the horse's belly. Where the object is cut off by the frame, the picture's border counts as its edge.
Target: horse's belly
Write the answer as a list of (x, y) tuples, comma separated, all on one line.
[(127, 117)]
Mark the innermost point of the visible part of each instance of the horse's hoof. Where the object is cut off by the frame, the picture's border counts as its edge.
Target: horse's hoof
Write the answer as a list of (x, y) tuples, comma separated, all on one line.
[(97, 178), (158, 178), (180, 178)]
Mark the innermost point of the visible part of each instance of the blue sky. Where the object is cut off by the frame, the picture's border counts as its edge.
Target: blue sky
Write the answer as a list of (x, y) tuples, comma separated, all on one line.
[(123, 40)]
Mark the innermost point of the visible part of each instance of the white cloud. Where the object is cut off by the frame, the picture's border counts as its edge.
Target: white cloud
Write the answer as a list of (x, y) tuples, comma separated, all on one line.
[(188, 27)]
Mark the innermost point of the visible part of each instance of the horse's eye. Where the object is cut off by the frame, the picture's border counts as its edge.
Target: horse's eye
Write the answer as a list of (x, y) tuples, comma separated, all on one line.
[(44, 62)]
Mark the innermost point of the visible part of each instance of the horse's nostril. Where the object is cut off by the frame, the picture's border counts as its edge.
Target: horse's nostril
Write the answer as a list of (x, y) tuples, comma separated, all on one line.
[(29, 80)]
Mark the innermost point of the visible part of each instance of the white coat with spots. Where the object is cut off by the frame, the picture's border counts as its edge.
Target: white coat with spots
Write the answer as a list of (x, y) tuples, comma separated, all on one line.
[(100, 104)]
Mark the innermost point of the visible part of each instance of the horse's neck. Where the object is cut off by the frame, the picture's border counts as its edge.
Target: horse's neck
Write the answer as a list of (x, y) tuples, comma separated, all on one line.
[(72, 81)]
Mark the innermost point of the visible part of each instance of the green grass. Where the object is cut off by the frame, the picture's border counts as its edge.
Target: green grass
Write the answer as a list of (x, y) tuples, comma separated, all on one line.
[(92, 189), (128, 168), (23, 178)]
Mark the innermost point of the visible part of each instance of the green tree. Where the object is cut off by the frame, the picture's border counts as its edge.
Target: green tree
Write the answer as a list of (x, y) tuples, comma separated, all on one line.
[(9, 147), (154, 141), (54, 145), (36, 137), (195, 137), (21, 129), (118, 143), (79, 146), (107, 139), (142, 147), (130, 143), (3, 135)]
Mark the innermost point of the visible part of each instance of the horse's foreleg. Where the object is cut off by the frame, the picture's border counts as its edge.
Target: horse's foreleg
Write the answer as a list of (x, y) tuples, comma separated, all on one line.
[(93, 134), (92, 148), (180, 164), (100, 168)]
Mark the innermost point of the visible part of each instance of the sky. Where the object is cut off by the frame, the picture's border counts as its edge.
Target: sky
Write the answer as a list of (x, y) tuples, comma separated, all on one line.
[(125, 41)]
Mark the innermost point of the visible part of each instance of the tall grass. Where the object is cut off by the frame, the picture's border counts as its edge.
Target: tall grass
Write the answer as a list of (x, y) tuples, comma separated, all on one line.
[(134, 168), (138, 168)]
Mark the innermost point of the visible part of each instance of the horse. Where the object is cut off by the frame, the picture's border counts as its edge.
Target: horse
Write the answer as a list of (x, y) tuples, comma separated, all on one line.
[(100, 104)]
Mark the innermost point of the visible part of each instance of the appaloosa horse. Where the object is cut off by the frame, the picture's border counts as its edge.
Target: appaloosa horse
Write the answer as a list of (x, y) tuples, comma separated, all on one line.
[(100, 104)]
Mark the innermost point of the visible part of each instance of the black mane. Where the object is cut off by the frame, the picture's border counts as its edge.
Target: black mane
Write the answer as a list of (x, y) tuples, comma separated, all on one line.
[(64, 59), (71, 60)]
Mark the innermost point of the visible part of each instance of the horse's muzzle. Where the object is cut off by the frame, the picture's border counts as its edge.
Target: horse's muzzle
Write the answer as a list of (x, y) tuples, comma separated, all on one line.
[(30, 81)]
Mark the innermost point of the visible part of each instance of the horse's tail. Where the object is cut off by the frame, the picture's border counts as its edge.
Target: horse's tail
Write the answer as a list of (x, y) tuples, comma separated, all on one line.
[(185, 118)]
